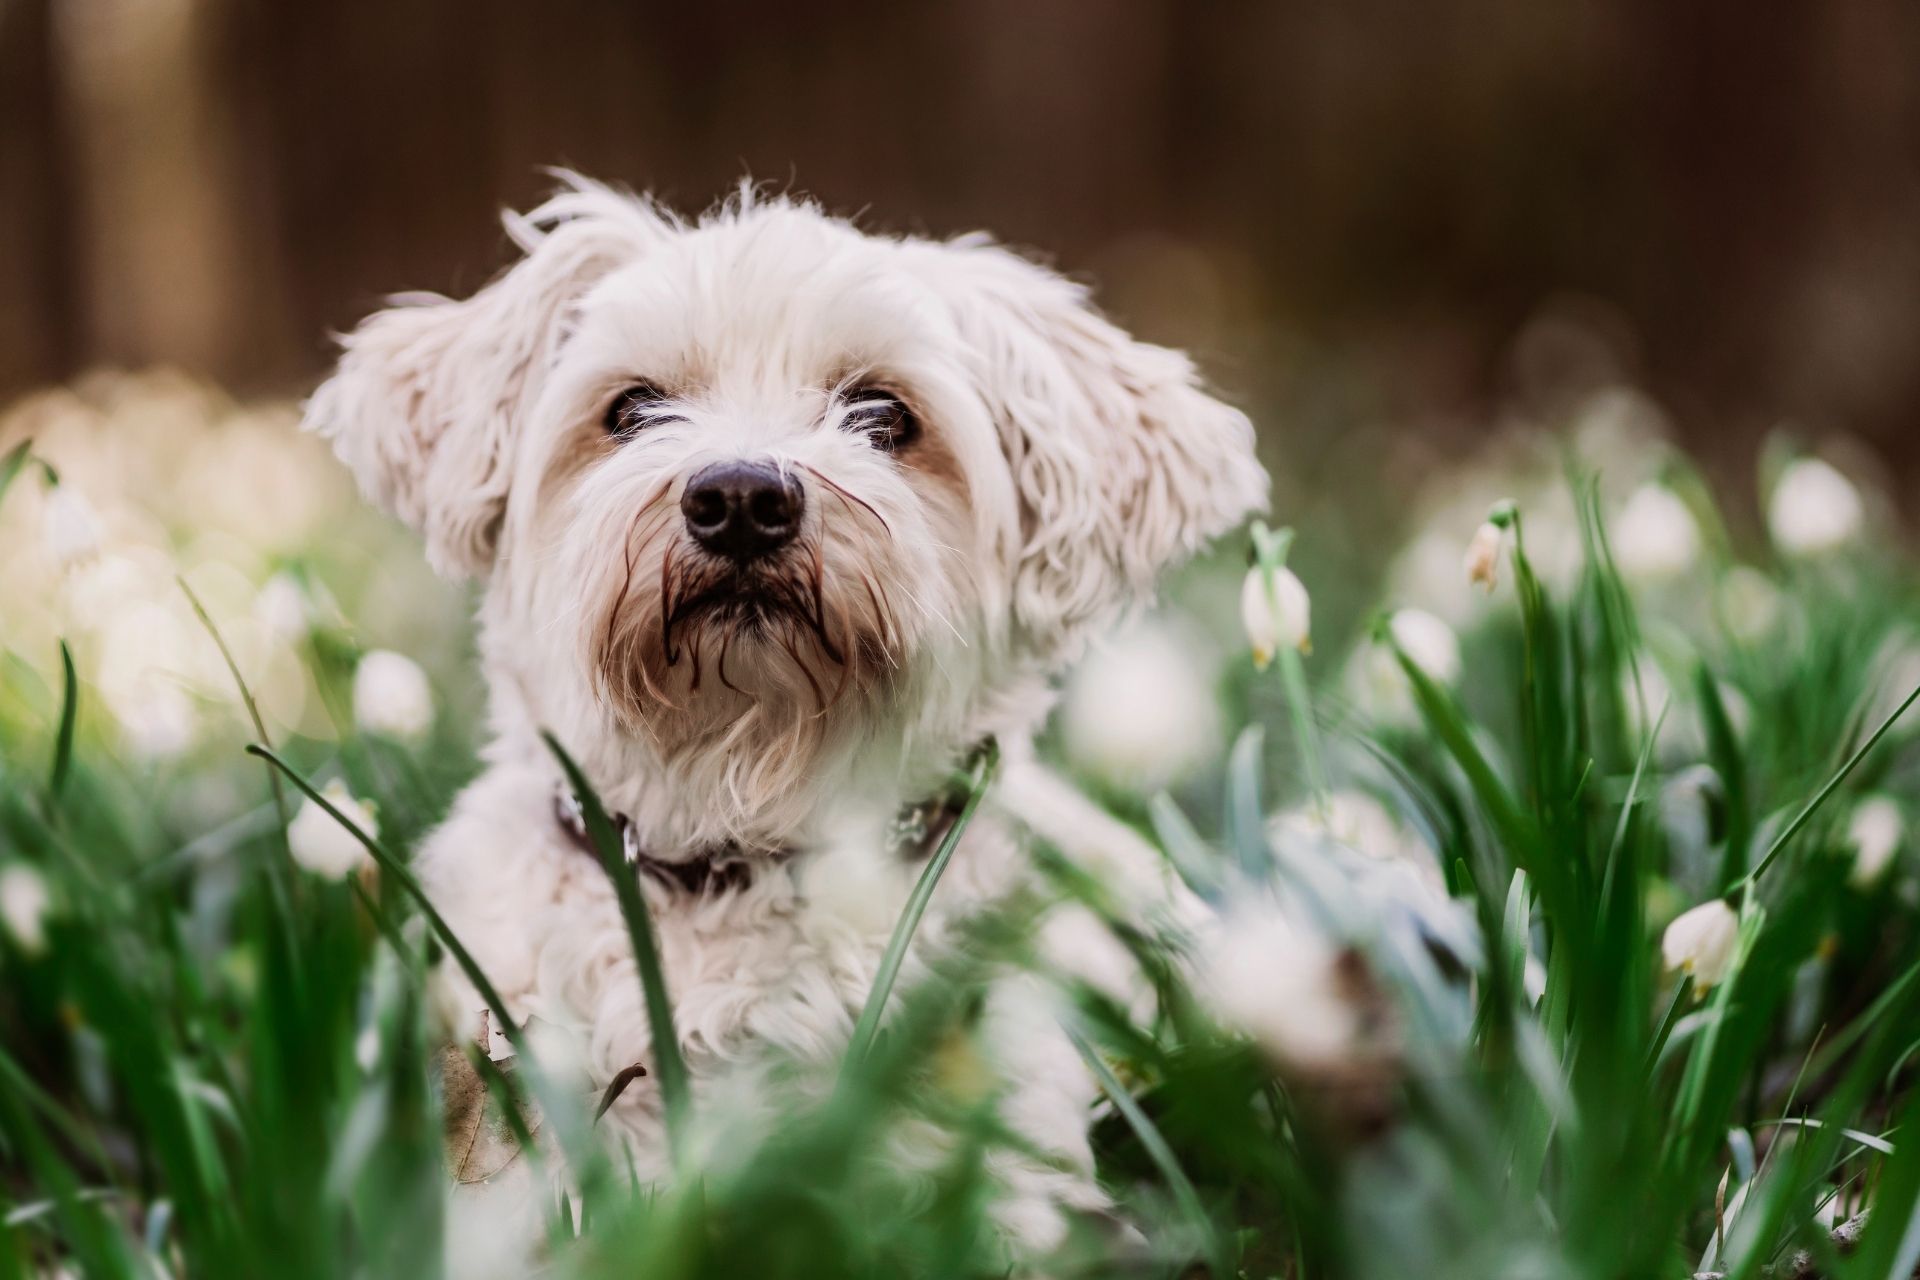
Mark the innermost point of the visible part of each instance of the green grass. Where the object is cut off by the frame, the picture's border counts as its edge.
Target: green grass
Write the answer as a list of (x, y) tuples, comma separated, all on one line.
[(219, 1065)]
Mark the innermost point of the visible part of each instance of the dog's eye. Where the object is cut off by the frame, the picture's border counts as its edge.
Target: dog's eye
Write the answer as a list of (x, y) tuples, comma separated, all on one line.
[(885, 418), (635, 409)]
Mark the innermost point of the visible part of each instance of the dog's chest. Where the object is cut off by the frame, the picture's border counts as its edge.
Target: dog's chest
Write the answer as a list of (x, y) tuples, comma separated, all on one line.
[(781, 963)]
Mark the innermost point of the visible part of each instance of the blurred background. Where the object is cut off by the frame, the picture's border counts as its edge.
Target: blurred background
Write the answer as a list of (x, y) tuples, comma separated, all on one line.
[(1369, 201), (1405, 236)]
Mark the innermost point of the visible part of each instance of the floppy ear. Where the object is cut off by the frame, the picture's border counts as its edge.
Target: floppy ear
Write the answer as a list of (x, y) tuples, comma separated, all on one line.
[(1123, 465), (429, 393)]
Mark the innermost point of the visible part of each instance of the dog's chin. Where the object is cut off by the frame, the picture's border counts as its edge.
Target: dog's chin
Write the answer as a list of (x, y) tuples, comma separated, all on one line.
[(735, 607), (738, 661)]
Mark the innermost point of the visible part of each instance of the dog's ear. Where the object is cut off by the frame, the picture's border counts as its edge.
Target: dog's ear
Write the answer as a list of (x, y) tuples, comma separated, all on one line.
[(429, 394), (1122, 463)]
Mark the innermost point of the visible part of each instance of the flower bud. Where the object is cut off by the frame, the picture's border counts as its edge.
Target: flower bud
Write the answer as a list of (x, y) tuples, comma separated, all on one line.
[(1277, 618), (24, 907), (1309, 1005), (1655, 537), (1429, 643), (1702, 942), (1141, 744), (1876, 831), (1814, 509), (321, 844), (69, 527), (391, 695), (1482, 563)]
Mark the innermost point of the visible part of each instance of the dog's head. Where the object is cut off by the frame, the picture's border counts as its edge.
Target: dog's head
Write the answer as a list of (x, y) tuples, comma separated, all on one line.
[(748, 489)]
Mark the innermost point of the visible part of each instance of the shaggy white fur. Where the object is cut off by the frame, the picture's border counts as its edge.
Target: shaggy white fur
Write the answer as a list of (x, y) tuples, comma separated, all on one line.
[(936, 584)]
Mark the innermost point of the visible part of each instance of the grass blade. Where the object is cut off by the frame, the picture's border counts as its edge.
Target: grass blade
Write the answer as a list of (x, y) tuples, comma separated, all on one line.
[(668, 1065), (1157, 1149), (13, 464), (984, 768), (1813, 805), (69, 713), (391, 865)]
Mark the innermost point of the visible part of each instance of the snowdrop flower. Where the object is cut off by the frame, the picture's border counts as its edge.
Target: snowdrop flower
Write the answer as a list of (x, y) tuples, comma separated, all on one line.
[(68, 527), (1351, 818), (1140, 711), (24, 907), (321, 844), (1702, 942), (1428, 642), (1307, 1004), (1275, 620), (1814, 509), (1533, 980), (391, 695), (1482, 563), (281, 609), (157, 719), (1876, 831), (1380, 685), (1655, 537), (1354, 820)]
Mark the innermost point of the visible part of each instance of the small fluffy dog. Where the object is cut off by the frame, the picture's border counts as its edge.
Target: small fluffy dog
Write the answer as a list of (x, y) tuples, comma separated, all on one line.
[(777, 522)]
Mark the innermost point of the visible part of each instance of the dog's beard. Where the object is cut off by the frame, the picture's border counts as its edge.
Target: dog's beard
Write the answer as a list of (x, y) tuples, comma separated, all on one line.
[(696, 651)]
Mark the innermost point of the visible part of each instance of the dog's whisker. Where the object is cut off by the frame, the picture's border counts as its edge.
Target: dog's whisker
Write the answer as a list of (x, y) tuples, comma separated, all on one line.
[(666, 606), (720, 667), (928, 611), (883, 622), (818, 619), (846, 665), (848, 499), (626, 583)]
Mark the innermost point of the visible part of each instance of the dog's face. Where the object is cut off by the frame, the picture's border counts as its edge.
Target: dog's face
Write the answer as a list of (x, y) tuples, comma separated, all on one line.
[(753, 489)]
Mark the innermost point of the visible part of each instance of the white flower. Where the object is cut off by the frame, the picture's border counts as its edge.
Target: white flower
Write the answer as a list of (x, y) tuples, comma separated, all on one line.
[(1482, 563), (157, 719), (24, 907), (281, 608), (1303, 1001), (1428, 642), (69, 527), (1354, 819), (391, 695), (1378, 681), (1140, 711), (1814, 509), (1876, 831), (321, 844), (1277, 620), (1655, 537), (1702, 942)]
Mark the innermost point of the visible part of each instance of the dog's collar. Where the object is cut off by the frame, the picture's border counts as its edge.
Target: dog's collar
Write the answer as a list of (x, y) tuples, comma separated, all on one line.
[(913, 832)]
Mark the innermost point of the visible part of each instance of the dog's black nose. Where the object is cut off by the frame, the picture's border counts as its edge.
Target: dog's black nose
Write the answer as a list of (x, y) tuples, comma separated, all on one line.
[(742, 510)]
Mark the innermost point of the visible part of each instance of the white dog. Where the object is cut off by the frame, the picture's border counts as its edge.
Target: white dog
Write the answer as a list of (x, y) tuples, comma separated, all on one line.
[(777, 522)]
